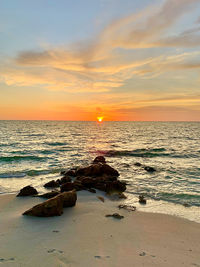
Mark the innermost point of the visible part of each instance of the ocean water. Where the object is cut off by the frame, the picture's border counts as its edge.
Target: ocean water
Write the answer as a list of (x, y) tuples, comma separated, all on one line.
[(33, 152)]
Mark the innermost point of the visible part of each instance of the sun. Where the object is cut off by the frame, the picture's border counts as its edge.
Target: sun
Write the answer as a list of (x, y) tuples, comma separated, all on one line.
[(99, 119)]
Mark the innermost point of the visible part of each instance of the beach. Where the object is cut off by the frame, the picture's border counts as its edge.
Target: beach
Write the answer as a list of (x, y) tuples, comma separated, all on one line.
[(83, 236)]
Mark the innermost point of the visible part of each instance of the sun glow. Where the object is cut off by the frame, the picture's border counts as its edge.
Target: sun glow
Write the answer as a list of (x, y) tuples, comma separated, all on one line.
[(99, 119)]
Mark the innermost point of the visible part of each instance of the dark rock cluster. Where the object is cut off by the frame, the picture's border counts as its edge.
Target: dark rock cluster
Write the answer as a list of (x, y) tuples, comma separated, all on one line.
[(99, 175)]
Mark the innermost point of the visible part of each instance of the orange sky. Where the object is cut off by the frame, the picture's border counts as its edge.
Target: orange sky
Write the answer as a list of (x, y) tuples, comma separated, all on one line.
[(123, 61)]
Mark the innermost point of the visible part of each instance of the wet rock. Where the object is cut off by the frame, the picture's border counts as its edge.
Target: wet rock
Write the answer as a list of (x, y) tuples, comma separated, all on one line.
[(101, 198), (49, 194), (138, 164), (142, 199), (115, 215), (88, 182), (142, 254), (105, 178), (51, 207), (127, 207), (187, 205), (67, 187), (52, 183), (78, 185), (97, 169), (27, 191), (92, 190), (64, 180), (70, 173), (99, 159), (116, 196), (69, 198), (115, 186), (149, 169), (100, 186), (122, 196)]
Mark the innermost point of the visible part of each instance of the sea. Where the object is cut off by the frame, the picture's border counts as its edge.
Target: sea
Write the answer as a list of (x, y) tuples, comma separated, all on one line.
[(34, 152)]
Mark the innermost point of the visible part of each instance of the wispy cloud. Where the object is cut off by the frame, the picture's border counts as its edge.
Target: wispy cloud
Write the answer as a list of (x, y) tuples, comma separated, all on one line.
[(100, 65)]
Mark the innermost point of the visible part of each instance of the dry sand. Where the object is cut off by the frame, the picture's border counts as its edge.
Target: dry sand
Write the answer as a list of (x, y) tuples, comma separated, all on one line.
[(83, 236)]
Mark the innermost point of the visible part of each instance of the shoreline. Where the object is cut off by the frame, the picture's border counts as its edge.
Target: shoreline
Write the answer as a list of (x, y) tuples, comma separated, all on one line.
[(153, 206), (83, 236)]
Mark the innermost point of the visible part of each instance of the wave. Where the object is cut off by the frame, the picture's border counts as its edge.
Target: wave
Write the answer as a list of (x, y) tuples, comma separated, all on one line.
[(178, 198), (144, 153), (55, 143), (20, 158), (31, 173), (8, 145), (148, 153)]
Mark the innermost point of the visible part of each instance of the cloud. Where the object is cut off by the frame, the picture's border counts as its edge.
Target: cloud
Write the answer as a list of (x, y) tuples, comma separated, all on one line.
[(143, 30), (100, 65)]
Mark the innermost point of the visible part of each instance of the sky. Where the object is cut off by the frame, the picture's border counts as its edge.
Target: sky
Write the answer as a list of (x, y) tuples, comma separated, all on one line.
[(124, 60)]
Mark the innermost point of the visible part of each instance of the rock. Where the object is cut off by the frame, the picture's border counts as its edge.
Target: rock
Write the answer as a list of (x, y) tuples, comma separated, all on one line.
[(27, 191), (100, 186), (127, 207), (92, 190), (78, 185), (97, 169), (142, 200), (105, 178), (69, 198), (49, 194), (67, 187), (52, 183), (88, 182), (138, 164), (63, 172), (70, 173), (115, 186), (51, 207), (187, 205), (64, 180), (101, 198), (99, 159), (115, 215), (109, 171), (122, 196), (142, 254), (149, 169)]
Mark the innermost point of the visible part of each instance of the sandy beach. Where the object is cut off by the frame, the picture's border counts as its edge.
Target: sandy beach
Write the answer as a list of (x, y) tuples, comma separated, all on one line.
[(83, 236)]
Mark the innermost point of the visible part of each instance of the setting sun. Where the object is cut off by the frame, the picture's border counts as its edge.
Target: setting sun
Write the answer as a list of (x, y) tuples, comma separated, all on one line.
[(100, 119)]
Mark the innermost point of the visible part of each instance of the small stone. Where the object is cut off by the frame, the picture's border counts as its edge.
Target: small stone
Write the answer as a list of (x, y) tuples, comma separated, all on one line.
[(101, 198), (97, 257), (91, 190), (115, 215), (187, 205), (142, 199), (138, 164), (149, 169), (127, 207), (142, 254)]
